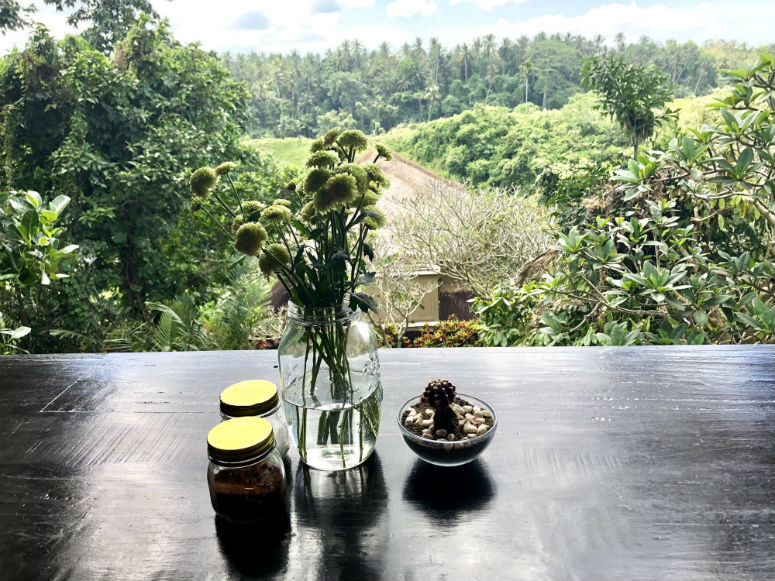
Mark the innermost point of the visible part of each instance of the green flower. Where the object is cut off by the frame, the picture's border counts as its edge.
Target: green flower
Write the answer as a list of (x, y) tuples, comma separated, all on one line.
[(370, 199), (196, 203), (281, 202), (250, 239), (375, 174), (322, 159), (225, 168), (317, 145), (252, 210), (315, 180), (353, 138), (309, 213), (202, 181), (291, 186), (276, 214), (360, 175), (330, 137), (273, 258), (375, 220), (383, 152), (238, 221), (342, 188)]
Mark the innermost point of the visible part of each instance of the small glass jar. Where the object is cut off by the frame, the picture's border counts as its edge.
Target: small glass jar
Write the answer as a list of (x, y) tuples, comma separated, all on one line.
[(259, 398), (246, 474)]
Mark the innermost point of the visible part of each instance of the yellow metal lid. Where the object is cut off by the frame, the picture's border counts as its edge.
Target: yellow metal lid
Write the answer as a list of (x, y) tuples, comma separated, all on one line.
[(240, 439), (253, 397)]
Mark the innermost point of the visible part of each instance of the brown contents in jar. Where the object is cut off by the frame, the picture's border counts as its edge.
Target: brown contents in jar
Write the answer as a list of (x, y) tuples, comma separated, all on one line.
[(248, 494)]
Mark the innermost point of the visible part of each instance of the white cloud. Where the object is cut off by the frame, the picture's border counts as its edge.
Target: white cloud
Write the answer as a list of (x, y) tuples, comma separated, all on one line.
[(659, 22), (407, 8), (358, 3), (488, 5)]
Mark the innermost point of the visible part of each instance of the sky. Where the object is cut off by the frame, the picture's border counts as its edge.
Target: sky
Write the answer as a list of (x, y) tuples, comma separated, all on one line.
[(317, 25)]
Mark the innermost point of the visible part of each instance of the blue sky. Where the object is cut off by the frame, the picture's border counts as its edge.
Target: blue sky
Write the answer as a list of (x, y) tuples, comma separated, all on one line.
[(316, 25)]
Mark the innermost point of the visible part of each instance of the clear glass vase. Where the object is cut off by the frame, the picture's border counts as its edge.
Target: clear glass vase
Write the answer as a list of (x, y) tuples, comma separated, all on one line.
[(331, 385)]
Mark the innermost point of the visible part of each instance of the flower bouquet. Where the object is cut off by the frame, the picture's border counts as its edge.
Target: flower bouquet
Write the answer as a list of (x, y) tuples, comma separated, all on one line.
[(328, 354)]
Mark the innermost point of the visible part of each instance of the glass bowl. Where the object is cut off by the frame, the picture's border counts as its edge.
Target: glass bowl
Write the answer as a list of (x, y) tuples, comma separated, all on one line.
[(444, 453)]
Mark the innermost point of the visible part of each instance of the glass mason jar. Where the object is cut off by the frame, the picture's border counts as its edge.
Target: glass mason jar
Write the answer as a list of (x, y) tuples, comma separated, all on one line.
[(331, 385), (246, 475), (259, 398)]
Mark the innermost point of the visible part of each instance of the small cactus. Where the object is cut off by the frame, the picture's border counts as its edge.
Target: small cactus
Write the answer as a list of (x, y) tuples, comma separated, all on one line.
[(440, 394)]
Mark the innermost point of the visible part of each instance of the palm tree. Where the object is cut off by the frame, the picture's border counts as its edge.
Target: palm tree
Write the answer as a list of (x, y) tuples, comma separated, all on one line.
[(526, 67)]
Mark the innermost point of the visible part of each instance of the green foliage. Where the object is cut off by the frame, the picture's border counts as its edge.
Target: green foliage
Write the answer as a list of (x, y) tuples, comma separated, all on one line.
[(376, 90), (499, 147), (629, 93), (450, 333), (117, 135), (678, 249), (30, 257)]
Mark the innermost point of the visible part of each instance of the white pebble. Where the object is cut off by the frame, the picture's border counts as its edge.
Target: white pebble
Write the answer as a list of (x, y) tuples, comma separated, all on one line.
[(477, 409), (427, 422), (470, 436), (469, 428), (469, 417), (427, 433), (448, 447), (429, 412), (441, 433), (409, 421), (486, 414), (418, 419), (451, 437), (481, 429), (412, 411), (467, 408), (462, 423)]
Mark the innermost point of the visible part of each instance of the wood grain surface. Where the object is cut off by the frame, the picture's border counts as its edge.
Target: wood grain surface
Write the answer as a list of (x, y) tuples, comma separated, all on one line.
[(644, 463)]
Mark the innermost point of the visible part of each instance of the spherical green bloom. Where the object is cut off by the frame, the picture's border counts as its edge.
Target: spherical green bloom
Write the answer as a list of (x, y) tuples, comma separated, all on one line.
[(370, 199), (322, 159), (375, 174), (291, 186), (196, 204), (323, 201), (317, 145), (383, 152), (342, 188), (273, 258), (252, 210), (276, 214), (376, 220), (309, 213), (202, 181), (281, 202), (315, 180), (360, 175), (225, 168), (353, 138), (238, 221), (250, 239), (330, 137)]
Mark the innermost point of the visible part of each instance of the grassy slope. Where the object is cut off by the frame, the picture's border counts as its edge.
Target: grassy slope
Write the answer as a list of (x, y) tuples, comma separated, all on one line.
[(404, 138), (290, 150)]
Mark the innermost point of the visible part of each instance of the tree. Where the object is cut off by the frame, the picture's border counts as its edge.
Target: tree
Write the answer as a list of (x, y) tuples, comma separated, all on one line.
[(119, 136), (475, 237), (110, 19), (629, 93)]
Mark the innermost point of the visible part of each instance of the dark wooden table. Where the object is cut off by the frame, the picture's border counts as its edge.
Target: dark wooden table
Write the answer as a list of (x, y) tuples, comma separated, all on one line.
[(620, 463)]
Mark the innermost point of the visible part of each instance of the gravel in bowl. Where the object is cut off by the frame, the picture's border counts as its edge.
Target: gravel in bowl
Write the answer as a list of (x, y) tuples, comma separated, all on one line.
[(475, 429)]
